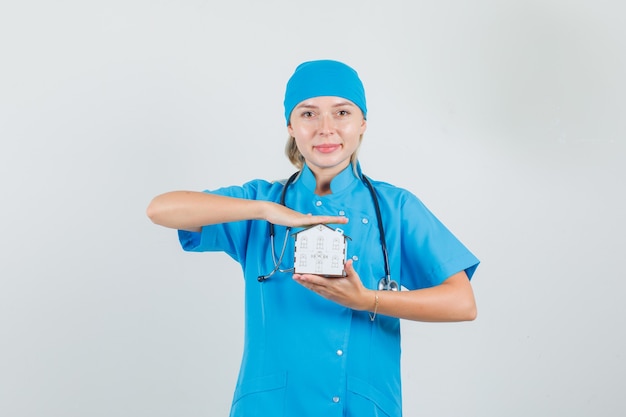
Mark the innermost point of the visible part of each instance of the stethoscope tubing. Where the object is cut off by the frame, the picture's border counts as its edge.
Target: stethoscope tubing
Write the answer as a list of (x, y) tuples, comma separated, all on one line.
[(385, 283)]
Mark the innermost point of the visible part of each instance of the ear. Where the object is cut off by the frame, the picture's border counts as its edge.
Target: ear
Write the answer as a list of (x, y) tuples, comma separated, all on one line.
[(363, 126), (290, 130)]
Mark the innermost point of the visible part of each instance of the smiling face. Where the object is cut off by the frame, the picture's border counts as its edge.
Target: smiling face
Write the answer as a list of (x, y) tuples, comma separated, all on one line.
[(327, 131)]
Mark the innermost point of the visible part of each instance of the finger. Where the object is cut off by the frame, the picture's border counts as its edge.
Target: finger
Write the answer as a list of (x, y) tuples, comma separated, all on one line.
[(348, 267), (341, 219), (309, 279), (316, 283), (303, 279), (350, 271), (313, 220)]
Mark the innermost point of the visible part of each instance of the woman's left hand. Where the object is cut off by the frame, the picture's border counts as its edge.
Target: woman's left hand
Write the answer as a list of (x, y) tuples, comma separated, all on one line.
[(347, 291)]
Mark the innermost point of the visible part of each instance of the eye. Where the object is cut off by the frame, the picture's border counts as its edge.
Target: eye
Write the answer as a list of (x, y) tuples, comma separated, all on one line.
[(343, 113), (307, 114)]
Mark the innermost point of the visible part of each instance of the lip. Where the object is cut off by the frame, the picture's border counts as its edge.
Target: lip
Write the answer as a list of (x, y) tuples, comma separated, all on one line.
[(327, 148)]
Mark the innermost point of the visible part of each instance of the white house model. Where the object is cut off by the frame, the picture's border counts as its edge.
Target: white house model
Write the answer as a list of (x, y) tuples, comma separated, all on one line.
[(320, 250)]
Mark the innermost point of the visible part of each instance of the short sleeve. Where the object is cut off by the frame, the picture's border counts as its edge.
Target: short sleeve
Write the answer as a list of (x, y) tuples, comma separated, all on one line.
[(431, 253), (230, 237)]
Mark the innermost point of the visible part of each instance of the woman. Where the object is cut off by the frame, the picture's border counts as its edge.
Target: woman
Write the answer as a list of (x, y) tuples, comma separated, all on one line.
[(318, 345)]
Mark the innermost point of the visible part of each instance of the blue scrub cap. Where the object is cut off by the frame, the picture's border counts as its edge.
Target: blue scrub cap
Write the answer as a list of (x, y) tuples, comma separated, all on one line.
[(324, 78)]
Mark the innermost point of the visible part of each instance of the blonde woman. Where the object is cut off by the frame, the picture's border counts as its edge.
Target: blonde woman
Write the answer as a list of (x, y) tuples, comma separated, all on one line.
[(317, 345)]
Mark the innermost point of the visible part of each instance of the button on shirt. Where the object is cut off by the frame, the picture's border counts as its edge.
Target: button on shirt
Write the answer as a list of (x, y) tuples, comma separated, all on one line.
[(308, 356)]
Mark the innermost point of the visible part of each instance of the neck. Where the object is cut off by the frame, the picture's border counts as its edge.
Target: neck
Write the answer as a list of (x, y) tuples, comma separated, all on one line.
[(323, 188), (323, 178), (322, 182)]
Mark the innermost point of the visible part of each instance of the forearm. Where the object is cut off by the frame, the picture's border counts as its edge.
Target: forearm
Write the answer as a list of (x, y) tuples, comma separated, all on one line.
[(190, 210), (453, 300)]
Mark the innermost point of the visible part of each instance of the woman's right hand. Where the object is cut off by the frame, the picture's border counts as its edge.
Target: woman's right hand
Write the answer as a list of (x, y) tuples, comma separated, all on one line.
[(280, 215), (190, 210)]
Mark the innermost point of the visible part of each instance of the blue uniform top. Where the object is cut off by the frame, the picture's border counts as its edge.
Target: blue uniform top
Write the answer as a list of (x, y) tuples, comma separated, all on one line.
[(305, 355)]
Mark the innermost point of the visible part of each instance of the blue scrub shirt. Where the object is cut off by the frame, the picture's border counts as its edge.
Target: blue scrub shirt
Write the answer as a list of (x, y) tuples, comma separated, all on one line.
[(305, 355)]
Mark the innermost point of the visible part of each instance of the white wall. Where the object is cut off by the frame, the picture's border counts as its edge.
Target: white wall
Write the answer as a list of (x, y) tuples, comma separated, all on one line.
[(506, 118)]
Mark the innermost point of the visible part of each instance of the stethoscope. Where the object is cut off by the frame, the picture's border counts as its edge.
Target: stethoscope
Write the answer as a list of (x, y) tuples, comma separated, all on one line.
[(385, 283)]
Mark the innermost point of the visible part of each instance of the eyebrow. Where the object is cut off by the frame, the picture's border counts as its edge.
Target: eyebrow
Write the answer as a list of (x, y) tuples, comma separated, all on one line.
[(340, 104)]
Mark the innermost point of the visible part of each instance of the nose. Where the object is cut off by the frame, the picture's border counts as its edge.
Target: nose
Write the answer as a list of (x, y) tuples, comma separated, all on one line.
[(327, 124)]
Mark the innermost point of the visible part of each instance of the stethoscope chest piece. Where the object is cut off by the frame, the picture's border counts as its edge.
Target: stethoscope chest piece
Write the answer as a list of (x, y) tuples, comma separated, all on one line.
[(387, 284)]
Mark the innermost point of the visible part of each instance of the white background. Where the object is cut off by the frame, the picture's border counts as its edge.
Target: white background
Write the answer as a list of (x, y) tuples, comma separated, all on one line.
[(506, 118)]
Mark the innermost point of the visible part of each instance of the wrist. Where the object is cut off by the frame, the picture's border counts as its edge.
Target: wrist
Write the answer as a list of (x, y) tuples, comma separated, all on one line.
[(374, 308), (263, 210), (367, 301)]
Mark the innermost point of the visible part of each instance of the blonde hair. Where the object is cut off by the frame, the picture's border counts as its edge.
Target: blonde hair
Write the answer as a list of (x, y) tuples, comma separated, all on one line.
[(296, 158)]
